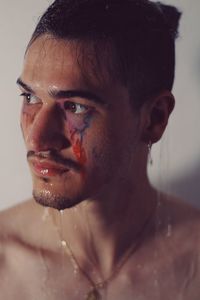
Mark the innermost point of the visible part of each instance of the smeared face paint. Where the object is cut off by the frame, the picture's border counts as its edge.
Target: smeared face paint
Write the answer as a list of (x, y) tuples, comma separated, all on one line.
[(77, 129), (79, 133)]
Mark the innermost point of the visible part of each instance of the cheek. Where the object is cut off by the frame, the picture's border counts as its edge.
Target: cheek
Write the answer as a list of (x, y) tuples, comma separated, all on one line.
[(78, 124), (107, 149), (101, 162), (27, 118), (100, 147)]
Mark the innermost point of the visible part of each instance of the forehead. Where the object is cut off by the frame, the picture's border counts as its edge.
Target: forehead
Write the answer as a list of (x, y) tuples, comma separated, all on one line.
[(56, 64), (55, 60)]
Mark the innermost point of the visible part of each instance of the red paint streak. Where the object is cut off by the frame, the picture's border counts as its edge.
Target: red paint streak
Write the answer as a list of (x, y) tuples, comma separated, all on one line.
[(79, 152), (78, 149)]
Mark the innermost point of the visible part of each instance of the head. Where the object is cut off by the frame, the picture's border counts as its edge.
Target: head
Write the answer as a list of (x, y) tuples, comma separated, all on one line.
[(96, 82)]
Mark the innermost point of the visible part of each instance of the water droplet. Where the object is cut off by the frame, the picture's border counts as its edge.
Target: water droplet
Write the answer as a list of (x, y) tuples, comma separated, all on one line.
[(46, 193), (75, 271), (101, 285), (155, 282), (169, 230), (45, 214), (63, 243), (45, 172)]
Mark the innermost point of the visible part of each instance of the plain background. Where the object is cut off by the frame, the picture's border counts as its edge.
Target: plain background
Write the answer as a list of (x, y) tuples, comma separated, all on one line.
[(176, 159)]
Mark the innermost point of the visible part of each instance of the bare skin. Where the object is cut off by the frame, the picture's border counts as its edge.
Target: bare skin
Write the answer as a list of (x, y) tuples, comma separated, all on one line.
[(88, 157), (34, 266)]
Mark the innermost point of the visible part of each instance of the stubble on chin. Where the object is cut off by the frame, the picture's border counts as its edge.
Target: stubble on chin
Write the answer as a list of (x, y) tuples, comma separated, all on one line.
[(59, 202)]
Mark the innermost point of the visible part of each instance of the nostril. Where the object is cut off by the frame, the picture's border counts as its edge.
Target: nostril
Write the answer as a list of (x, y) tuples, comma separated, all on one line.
[(46, 142), (52, 140)]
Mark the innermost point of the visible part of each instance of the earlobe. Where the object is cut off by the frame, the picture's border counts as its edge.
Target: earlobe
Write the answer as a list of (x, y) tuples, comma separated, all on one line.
[(157, 113)]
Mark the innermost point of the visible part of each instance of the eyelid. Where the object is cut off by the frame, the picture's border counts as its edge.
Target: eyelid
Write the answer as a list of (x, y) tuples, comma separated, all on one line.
[(77, 105), (26, 94)]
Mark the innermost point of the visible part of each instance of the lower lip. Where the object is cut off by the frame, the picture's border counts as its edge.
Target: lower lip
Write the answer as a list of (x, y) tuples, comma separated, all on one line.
[(47, 171)]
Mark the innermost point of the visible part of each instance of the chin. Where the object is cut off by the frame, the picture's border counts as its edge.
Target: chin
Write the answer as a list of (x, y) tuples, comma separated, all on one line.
[(57, 201), (64, 193), (57, 193)]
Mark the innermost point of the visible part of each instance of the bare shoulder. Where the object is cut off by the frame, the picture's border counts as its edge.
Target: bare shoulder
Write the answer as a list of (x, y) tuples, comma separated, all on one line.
[(16, 222), (26, 224), (180, 244), (180, 221), (22, 232), (181, 214), (24, 250), (11, 239), (14, 228)]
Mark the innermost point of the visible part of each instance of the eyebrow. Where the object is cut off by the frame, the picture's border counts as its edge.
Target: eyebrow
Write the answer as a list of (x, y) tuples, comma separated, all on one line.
[(24, 85), (66, 93)]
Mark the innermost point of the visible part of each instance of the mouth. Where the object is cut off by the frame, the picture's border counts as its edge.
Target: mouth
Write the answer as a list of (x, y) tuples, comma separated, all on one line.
[(47, 168), (49, 163)]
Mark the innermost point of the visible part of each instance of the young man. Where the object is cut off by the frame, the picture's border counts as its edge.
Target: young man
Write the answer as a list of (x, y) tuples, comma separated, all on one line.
[(96, 87)]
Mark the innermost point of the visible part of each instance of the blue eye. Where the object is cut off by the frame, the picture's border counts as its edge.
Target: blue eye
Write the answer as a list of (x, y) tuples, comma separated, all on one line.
[(75, 108), (29, 98)]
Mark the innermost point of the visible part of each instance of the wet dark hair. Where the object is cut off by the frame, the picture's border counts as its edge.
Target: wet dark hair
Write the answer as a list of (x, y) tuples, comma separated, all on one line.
[(142, 35)]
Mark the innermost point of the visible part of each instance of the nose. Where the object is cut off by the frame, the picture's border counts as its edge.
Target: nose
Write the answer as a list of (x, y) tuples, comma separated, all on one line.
[(46, 132)]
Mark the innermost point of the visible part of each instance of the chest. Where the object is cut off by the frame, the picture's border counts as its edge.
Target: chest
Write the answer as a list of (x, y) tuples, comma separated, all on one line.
[(41, 277)]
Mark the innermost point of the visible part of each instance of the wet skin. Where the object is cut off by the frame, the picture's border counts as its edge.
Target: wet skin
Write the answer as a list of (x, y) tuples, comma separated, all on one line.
[(87, 146), (67, 116), (33, 265)]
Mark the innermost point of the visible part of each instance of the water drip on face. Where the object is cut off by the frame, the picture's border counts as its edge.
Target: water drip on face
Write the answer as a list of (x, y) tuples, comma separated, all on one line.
[(63, 244), (65, 248), (169, 230), (45, 214)]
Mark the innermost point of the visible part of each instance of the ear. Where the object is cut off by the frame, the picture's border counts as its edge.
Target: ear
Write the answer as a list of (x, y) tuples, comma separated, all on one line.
[(155, 115)]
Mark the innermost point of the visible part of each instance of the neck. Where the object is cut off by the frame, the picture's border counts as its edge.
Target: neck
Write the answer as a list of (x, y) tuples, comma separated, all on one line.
[(100, 232)]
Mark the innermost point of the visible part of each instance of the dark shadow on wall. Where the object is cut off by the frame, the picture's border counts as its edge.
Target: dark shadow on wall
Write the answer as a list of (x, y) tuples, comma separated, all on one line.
[(188, 187)]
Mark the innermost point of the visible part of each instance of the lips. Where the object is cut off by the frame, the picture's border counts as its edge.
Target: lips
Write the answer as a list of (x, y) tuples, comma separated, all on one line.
[(46, 168)]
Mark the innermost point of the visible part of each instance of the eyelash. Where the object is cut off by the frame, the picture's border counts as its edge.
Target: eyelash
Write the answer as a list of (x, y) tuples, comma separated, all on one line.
[(67, 105), (27, 97)]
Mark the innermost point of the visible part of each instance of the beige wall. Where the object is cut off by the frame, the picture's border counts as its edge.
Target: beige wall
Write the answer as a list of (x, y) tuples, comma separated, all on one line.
[(176, 159)]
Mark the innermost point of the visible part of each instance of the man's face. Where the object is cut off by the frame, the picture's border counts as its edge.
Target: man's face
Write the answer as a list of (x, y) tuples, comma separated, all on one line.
[(81, 133)]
